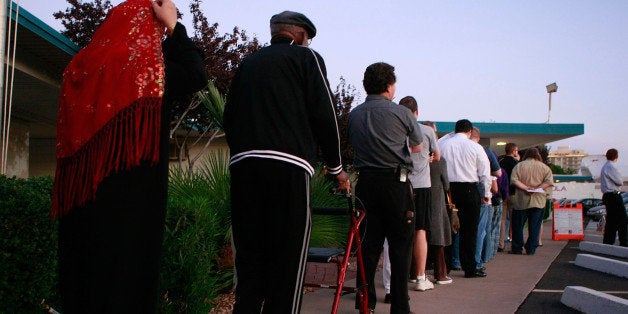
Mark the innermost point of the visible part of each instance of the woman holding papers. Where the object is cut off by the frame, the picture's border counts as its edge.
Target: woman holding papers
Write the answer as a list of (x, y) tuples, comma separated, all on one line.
[(534, 180)]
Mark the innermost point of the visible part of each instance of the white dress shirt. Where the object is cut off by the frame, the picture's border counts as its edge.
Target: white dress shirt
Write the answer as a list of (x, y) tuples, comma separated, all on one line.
[(466, 161)]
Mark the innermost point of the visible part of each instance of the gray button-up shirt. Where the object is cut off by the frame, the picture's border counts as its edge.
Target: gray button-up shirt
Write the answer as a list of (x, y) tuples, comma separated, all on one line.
[(380, 131)]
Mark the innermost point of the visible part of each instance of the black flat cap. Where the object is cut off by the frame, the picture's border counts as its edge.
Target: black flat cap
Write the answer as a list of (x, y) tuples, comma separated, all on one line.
[(295, 18)]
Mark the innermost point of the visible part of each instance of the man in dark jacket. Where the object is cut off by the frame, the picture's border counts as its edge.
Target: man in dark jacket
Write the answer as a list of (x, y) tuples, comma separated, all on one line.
[(279, 107), (507, 163)]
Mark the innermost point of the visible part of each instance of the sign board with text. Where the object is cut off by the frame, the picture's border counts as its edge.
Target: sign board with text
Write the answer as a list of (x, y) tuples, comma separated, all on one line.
[(567, 222)]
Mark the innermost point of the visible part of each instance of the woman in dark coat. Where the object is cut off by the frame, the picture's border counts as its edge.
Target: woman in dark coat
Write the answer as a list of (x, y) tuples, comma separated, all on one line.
[(440, 227), (111, 183)]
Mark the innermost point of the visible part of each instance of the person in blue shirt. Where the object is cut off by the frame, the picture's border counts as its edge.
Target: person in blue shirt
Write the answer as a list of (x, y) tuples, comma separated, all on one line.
[(611, 182)]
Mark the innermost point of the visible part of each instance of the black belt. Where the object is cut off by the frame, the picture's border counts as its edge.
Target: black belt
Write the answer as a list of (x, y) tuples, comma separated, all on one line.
[(614, 193), (464, 183)]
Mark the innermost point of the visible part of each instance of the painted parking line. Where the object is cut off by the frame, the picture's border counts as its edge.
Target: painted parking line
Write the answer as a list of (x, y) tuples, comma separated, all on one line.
[(561, 291)]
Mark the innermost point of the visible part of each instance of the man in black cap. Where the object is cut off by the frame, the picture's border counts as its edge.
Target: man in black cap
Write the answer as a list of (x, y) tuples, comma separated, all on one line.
[(278, 109)]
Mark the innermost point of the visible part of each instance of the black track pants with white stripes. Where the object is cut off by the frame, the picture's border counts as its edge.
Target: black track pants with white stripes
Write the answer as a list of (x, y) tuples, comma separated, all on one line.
[(271, 231)]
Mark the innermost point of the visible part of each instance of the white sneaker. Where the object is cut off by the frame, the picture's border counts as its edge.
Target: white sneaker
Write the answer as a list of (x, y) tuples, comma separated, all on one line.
[(423, 285), (445, 281)]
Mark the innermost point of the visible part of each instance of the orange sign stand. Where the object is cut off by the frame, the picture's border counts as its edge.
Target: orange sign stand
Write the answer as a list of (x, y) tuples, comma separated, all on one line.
[(567, 222)]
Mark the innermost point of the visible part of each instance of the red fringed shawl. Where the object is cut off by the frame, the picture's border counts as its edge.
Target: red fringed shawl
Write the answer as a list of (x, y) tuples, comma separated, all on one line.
[(110, 105)]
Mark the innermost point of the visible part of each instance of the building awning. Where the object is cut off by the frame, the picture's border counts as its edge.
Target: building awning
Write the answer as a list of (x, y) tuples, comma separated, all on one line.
[(42, 54), (525, 135)]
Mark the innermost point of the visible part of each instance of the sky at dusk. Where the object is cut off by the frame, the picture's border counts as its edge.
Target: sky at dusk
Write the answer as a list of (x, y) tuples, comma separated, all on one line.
[(487, 61)]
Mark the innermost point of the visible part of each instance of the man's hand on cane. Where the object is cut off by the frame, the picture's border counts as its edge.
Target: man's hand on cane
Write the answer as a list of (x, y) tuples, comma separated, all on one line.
[(344, 184)]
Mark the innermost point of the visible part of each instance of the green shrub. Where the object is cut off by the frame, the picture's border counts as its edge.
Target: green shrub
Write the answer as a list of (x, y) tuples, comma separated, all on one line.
[(28, 245), (196, 258), (197, 224), (327, 230)]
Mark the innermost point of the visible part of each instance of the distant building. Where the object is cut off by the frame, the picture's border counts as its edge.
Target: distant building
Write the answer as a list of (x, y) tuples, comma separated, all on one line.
[(567, 158)]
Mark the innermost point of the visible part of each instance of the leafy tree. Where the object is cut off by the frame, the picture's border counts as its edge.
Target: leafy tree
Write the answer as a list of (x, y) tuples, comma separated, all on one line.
[(343, 98), (223, 53), (556, 169), (82, 19)]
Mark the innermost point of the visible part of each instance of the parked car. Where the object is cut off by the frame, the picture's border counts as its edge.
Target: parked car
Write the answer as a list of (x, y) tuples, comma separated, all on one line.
[(597, 212), (564, 201), (587, 203)]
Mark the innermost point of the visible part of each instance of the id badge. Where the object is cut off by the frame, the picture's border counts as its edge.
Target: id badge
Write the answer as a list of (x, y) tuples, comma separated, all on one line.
[(403, 175)]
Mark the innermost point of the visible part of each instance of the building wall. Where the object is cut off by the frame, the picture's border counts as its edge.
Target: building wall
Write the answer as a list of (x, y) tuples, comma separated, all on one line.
[(36, 156), (575, 190), (17, 159), (42, 157), (571, 162), (218, 145)]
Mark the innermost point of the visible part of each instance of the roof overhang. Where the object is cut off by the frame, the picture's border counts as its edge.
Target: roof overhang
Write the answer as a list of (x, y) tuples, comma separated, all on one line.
[(525, 135), (42, 54)]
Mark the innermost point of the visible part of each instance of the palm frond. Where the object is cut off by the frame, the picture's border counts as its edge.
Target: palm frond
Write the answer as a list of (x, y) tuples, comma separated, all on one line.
[(214, 101)]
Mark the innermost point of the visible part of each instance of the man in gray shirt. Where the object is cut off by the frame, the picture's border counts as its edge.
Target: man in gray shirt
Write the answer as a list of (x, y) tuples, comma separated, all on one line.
[(611, 182), (383, 134)]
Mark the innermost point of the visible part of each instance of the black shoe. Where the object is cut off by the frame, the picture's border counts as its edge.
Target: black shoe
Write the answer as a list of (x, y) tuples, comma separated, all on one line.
[(387, 298), (456, 268), (516, 253), (482, 269), (500, 249), (476, 273)]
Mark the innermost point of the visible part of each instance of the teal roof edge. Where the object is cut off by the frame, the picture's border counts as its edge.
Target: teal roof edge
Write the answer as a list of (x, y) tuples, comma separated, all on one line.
[(575, 178), (42, 29), (519, 128)]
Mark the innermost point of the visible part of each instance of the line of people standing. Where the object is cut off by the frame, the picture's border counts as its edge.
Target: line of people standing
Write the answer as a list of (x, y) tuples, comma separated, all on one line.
[(392, 158), (279, 113)]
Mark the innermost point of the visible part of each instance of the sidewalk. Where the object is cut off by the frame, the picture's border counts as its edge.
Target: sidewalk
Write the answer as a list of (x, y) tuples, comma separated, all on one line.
[(510, 280)]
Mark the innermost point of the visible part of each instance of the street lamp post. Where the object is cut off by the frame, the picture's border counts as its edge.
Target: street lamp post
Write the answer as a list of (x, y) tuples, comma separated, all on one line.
[(551, 88)]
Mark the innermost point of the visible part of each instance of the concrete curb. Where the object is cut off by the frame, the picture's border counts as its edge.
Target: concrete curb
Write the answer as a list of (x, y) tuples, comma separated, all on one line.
[(591, 301), (602, 264), (605, 249)]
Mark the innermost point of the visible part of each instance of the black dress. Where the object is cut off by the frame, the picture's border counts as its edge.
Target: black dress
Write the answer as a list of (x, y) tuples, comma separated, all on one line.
[(109, 249)]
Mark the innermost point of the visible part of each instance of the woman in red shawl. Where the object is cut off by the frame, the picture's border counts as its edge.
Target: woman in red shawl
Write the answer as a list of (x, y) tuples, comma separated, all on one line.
[(111, 181)]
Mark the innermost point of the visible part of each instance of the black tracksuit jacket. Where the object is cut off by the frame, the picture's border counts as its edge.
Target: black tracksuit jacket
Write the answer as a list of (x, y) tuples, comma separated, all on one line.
[(280, 107)]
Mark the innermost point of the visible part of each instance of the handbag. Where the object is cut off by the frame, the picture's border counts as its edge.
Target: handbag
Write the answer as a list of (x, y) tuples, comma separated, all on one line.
[(453, 213)]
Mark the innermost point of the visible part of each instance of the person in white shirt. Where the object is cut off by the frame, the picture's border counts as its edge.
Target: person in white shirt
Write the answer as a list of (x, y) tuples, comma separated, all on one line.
[(468, 165)]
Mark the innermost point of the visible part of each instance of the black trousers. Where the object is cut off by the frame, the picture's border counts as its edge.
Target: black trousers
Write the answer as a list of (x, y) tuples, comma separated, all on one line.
[(387, 203), (109, 249), (615, 219), (271, 223), (468, 201)]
